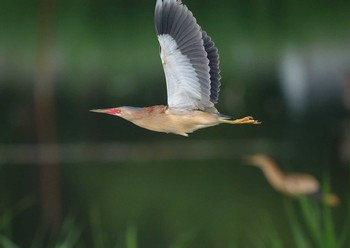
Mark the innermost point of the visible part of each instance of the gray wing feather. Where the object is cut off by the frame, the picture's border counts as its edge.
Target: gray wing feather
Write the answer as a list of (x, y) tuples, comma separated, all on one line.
[(174, 19), (213, 56)]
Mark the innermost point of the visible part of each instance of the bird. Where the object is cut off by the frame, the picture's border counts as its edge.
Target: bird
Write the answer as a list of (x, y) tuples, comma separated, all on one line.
[(191, 66), (291, 184)]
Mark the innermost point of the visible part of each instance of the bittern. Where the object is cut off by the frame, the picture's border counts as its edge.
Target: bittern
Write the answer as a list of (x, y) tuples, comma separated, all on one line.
[(191, 66), (292, 184)]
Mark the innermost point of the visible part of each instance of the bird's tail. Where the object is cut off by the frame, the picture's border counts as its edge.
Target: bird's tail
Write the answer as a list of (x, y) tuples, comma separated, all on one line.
[(331, 200)]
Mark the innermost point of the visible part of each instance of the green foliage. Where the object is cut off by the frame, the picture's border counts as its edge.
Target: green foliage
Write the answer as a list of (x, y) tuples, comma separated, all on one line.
[(131, 235), (311, 224), (6, 242), (7, 217), (183, 240), (98, 237)]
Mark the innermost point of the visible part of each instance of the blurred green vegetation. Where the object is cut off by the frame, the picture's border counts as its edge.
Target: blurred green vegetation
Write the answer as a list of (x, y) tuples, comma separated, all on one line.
[(105, 53)]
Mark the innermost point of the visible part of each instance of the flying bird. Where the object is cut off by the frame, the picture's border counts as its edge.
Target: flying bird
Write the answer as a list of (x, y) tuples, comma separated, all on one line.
[(291, 184), (191, 66)]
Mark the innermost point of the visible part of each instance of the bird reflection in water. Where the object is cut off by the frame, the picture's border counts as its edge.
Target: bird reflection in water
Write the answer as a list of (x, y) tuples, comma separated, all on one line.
[(291, 184)]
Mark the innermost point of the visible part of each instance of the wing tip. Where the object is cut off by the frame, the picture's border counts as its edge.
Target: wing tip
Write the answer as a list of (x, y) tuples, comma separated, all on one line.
[(162, 8)]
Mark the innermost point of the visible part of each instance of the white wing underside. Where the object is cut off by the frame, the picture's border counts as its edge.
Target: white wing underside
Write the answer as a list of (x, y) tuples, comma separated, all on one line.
[(189, 56), (183, 85)]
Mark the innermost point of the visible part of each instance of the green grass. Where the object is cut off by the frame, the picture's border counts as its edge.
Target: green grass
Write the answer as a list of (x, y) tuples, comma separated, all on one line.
[(308, 223), (7, 216), (312, 225)]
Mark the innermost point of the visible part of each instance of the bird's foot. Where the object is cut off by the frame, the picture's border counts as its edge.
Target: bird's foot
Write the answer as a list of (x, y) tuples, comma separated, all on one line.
[(245, 120)]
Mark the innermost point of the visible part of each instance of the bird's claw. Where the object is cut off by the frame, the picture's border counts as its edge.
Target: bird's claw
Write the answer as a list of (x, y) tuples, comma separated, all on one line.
[(245, 120)]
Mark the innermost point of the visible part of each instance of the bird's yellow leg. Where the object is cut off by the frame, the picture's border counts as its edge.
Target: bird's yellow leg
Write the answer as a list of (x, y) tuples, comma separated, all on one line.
[(245, 120)]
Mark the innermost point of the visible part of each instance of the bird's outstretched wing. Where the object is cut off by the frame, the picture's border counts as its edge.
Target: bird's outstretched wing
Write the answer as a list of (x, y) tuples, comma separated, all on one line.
[(213, 56), (189, 58)]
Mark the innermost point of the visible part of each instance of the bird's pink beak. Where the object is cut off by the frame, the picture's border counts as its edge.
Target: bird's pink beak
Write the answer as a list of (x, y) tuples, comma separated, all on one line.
[(110, 111)]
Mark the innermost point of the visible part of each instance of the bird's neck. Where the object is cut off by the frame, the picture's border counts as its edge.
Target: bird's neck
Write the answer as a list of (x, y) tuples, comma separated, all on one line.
[(273, 174)]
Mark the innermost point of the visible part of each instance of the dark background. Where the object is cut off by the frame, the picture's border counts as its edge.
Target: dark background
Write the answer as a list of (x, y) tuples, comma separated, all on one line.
[(286, 63)]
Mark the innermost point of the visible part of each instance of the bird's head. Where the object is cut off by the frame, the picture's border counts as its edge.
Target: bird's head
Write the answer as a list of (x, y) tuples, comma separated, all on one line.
[(128, 113)]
